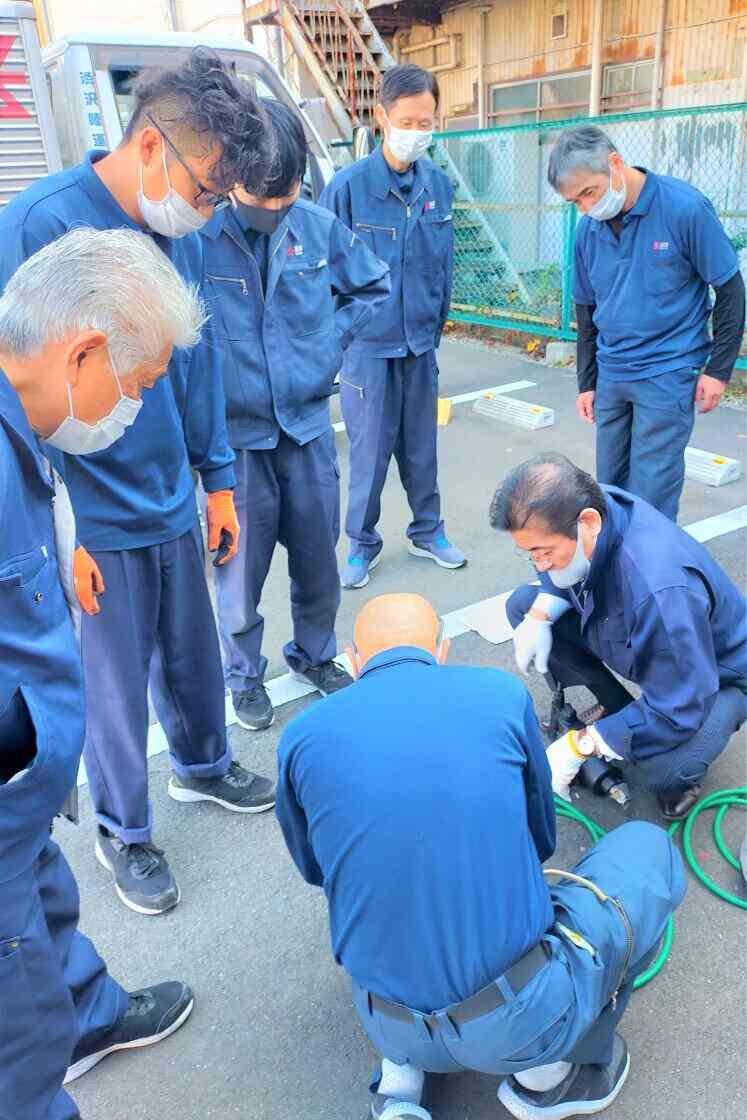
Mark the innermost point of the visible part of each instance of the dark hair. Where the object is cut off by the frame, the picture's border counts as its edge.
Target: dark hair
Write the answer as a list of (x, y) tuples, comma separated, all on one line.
[(292, 149), (550, 488), (407, 80), (198, 104)]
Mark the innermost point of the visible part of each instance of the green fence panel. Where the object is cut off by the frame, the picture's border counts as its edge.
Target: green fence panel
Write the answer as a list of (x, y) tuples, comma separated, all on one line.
[(513, 234)]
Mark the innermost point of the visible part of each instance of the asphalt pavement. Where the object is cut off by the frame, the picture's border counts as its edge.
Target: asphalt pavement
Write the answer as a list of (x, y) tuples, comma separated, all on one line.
[(273, 1035)]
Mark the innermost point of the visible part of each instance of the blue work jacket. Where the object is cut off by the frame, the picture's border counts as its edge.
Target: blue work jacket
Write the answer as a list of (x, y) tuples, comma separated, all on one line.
[(420, 799), (139, 492), (414, 235), (649, 286), (280, 349), (41, 685), (658, 610)]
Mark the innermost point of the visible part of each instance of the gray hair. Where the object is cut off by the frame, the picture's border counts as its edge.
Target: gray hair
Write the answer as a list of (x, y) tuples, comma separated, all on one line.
[(116, 281), (584, 146)]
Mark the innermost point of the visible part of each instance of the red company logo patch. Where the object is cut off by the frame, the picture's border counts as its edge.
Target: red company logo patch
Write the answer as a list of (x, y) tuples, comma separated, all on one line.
[(660, 245)]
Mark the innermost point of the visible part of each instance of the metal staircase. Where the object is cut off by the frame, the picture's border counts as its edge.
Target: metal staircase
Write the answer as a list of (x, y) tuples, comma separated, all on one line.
[(337, 42)]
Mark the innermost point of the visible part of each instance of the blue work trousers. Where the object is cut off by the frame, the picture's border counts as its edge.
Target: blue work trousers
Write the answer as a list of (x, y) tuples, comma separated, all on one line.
[(288, 494), (671, 770), (389, 406), (156, 627), (566, 1010), (643, 428), (54, 989)]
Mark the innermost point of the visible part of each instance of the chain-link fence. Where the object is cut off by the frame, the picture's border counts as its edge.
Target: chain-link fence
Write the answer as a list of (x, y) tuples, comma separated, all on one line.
[(514, 235)]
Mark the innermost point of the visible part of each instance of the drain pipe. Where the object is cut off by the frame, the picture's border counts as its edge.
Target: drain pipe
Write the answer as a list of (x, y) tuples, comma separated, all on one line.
[(482, 115), (658, 79), (595, 93)]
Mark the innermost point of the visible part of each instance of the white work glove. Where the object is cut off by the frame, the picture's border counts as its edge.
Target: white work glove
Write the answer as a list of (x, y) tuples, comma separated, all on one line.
[(565, 761), (532, 643)]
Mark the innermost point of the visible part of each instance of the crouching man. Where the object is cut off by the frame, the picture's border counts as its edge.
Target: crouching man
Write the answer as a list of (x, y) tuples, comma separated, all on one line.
[(420, 800), (624, 590)]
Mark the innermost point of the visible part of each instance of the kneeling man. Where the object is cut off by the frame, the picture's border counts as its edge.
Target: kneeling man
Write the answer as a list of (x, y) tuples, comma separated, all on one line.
[(622, 588), (420, 800)]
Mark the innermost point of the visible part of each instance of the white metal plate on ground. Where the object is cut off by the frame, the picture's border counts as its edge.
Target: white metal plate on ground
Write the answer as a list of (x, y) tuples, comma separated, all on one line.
[(712, 469), (522, 414)]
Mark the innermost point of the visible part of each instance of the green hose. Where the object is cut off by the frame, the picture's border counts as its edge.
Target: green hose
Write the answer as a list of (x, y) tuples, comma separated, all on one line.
[(722, 800)]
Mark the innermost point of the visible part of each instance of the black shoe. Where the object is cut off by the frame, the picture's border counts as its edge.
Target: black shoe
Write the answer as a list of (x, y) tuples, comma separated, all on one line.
[(253, 709), (325, 678), (142, 877), (154, 1013), (238, 789), (676, 806), (582, 1092)]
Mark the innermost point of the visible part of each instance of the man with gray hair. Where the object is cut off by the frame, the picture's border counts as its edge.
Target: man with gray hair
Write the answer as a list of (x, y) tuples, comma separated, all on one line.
[(86, 325), (647, 248), (195, 131)]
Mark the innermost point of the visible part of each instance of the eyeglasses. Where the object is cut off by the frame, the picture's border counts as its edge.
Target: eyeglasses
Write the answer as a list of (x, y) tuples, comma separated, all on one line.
[(204, 197), (535, 556)]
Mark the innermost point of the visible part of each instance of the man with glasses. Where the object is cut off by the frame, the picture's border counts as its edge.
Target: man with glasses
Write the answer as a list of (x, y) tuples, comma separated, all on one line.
[(420, 799), (194, 133), (625, 591)]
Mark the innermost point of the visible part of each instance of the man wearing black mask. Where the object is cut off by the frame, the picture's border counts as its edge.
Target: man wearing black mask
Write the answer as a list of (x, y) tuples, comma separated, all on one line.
[(274, 264)]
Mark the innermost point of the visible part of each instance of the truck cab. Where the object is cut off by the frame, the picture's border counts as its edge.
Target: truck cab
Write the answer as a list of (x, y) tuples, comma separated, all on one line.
[(91, 76)]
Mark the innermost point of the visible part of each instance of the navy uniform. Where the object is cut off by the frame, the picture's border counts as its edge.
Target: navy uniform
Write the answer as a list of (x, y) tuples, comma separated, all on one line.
[(656, 609), (641, 291), (54, 988), (281, 342), (389, 379), (429, 847), (136, 514)]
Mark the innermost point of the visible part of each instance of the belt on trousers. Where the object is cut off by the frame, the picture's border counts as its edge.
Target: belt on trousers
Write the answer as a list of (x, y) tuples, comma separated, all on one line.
[(481, 1003)]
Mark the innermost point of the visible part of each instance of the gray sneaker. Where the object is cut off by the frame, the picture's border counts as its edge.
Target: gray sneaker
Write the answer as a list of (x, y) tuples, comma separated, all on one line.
[(253, 708), (326, 678), (355, 570), (442, 551), (142, 877), (152, 1015), (238, 790), (584, 1090)]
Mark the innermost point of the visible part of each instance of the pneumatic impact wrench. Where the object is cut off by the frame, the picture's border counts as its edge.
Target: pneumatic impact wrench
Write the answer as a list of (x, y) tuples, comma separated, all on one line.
[(599, 775)]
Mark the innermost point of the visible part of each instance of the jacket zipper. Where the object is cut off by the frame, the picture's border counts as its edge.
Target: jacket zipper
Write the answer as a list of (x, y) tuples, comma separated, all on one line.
[(382, 229), (358, 388), (629, 950), (231, 280)]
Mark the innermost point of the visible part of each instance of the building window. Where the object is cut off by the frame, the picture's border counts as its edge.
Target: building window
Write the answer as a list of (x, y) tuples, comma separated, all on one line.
[(627, 86), (559, 25), (548, 99)]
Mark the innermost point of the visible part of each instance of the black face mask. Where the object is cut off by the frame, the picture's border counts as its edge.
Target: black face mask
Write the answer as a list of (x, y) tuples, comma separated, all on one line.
[(260, 219)]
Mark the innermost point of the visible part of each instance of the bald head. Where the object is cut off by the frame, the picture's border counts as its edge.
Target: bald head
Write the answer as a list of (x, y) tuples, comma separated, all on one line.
[(395, 620)]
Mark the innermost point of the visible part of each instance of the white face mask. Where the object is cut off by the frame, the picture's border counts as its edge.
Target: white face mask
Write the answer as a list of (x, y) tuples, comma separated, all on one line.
[(610, 204), (172, 216), (78, 438), (408, 144), (576, 571)]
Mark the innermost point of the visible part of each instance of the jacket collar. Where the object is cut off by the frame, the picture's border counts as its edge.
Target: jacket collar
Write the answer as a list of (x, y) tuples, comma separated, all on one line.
[(225, 220), (14, 418), (381, 175), (608, 541), (396, 656)]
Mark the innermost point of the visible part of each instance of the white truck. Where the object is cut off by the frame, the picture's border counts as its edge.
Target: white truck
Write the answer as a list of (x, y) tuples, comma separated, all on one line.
[(76, 94)]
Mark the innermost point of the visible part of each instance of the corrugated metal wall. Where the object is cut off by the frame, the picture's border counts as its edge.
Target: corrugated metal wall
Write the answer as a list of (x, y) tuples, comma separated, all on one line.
[(705, 44)]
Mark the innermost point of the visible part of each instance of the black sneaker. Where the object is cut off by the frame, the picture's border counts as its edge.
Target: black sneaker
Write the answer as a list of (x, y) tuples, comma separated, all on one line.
[(154, 1013), (253, 709), (238, 789), (582, 1092), (142, 877), (676, 806), (325, 678)]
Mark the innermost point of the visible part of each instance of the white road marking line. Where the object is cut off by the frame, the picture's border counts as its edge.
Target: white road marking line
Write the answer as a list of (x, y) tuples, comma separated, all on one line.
[(284, 689), (463, 398)]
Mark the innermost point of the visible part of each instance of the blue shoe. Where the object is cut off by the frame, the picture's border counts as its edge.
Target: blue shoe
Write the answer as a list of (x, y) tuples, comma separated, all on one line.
[(356, 569), (442, 551)]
